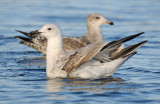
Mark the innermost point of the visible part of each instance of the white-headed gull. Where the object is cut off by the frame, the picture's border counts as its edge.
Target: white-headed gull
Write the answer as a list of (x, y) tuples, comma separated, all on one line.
[(92, 61)]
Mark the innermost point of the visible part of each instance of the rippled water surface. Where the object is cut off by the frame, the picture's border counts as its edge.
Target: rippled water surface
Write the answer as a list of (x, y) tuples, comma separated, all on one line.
[(22, 69)]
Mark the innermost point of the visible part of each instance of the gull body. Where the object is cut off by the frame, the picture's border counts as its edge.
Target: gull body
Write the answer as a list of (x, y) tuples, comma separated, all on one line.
[(92, 61)]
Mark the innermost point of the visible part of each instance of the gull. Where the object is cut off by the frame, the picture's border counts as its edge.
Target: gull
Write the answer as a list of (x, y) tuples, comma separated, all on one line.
[(94, 22), (92, 61)]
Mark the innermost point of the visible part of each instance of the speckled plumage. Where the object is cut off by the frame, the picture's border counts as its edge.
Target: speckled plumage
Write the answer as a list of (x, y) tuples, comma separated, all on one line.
[(94, 22), (82, 62)]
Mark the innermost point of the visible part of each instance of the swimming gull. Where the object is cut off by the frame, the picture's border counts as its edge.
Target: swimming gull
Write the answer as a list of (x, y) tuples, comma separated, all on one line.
[(92, 61), (94, 22)]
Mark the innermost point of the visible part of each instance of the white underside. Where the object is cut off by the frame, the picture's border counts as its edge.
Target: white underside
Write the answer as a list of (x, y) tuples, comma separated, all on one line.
[(91, 69), (95, 69)]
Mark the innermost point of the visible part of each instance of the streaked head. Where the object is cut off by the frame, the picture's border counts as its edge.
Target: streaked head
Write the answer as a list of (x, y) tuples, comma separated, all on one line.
[(98, 19), (50, 30)]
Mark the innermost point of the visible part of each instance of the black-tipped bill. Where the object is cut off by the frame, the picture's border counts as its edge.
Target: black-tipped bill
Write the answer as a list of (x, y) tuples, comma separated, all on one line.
[(109, 22)]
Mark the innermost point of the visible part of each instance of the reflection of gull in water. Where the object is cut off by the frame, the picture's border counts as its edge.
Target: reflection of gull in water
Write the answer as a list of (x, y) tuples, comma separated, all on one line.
[(94, 34), (92, 61), (59, 84), (54, 85)]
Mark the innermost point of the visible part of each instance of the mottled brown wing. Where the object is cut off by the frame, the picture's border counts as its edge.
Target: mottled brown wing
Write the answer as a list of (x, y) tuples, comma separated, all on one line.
[(70, 43), (28, 42), (73, 43), (82, 56), (40, 40)]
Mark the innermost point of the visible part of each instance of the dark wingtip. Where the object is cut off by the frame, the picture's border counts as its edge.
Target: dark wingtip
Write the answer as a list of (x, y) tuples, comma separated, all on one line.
[(25, 33), (23, 38), (131, 37), (125, 52), (20, 31), (141, 43), (135, 47), (130, 55), (140, 33), (121, 41)]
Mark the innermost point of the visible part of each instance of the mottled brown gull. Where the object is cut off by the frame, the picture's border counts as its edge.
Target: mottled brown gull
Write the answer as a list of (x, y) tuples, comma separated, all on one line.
[(94, 22)]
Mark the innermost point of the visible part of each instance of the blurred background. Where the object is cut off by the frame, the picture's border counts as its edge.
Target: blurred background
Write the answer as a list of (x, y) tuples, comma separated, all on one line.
[(22, 69)]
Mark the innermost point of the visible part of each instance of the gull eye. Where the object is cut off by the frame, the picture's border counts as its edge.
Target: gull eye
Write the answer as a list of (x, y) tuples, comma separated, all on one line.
[(49, 28), (97, 17)]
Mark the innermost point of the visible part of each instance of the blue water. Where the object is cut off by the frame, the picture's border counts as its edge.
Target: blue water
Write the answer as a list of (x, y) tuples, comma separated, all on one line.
[(22, 69)]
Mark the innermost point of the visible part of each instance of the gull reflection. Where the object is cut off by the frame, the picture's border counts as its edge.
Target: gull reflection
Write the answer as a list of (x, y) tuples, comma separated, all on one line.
[(94, 85)]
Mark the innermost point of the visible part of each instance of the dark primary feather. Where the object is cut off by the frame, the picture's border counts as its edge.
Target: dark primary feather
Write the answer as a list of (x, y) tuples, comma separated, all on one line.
[(108, 52), (114, 43), (30, 34), (30, 43), (127, 51)]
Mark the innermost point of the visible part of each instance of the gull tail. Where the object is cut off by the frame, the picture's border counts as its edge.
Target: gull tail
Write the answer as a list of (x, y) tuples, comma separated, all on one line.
[(127, 52), (121, 57), (28, 42)]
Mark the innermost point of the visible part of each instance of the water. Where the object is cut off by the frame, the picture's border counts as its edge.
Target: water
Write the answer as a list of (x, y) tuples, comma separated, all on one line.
[(22, 69)]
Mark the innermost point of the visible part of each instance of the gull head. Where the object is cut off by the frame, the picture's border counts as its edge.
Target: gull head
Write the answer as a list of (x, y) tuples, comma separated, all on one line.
[(50, 31), (98, 20)]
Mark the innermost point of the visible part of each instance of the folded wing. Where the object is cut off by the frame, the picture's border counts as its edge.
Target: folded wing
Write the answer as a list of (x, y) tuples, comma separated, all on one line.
[(101, 52)]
